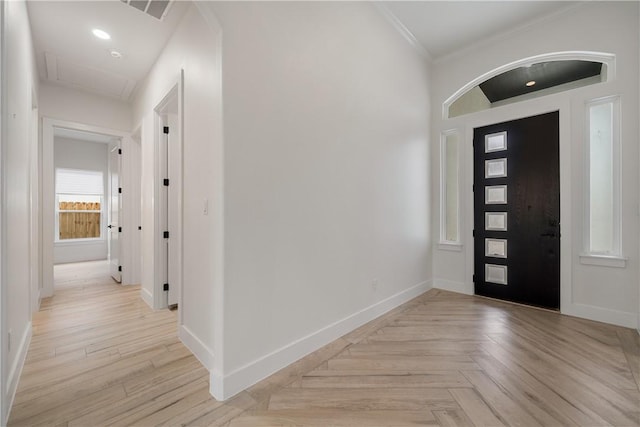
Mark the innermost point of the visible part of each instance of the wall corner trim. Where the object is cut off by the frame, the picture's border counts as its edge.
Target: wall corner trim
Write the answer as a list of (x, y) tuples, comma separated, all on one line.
[(224, 387)]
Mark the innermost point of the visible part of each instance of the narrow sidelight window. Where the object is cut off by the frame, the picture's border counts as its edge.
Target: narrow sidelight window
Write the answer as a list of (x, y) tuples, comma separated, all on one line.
[(449, 188), (603, 165)]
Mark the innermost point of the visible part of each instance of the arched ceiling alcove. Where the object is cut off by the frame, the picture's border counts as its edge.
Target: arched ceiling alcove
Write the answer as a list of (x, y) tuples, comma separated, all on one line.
[(530, 78)]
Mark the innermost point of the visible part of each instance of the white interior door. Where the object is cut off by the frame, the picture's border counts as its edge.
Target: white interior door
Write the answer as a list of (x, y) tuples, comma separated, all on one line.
[(164, 209), (167, 204), (172, 210), (114, 211)]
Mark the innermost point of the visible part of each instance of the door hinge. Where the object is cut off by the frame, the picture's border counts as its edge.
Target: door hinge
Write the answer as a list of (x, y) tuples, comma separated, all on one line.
[(473, 188), (165, 287), (119, 229), (166, 234), (165, 182), (120, 190), (474, 278), (119, 268), (165, 129), (473, 233), (119, 150)]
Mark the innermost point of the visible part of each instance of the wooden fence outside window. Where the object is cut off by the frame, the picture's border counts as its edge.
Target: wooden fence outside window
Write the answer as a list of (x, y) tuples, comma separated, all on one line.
[(79, 220)]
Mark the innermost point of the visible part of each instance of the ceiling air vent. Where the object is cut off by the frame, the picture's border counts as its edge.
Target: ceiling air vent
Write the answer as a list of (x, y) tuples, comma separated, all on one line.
[(156, 8)]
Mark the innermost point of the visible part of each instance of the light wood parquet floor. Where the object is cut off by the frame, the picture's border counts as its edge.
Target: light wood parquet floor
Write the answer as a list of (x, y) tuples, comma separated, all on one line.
[(100, 357)]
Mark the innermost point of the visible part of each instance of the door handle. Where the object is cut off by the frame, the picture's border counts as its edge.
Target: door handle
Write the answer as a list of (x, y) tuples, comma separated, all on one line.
[(109, 226), (548, 235)]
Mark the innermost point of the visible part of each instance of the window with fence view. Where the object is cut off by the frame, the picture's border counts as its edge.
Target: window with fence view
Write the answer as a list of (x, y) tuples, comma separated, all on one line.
[(79, 220), (79, 196)]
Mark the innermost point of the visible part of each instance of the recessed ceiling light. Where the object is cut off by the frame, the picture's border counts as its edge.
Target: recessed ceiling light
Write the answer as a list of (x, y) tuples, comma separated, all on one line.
[(115, 54), (530, 83), (101, 34)]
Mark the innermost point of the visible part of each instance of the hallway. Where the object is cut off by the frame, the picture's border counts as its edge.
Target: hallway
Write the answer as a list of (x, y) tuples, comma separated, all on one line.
[(98, 351), (99, 356), (285, 172)]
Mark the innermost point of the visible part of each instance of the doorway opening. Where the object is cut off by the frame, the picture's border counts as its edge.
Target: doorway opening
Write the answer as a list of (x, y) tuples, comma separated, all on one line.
[(80, 205), (517, 211), (87, 205)]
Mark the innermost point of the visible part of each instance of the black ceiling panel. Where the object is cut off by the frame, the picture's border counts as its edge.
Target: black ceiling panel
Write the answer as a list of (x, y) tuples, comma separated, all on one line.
[(545, 74)]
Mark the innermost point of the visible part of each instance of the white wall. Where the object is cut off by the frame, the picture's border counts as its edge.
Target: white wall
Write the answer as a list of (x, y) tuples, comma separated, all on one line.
[(84, 155), (19, 81), (326, 178), (602, 293), (193, 48), (63, 103)]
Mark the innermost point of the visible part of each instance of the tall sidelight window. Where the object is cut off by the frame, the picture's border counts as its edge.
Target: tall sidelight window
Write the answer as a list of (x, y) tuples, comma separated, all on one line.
[(603, 207), (79, 204), (449, 188)]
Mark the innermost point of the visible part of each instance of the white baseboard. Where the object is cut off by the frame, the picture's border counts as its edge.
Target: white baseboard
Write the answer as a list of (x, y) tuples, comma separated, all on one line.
[(146, 297), (238, 380), (599, 314), (16, 369), (196, 346), (66, 252), (450, 285)]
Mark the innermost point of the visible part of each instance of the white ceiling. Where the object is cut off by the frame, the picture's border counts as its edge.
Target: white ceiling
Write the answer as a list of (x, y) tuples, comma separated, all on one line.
[(444, 27), (68, 54)]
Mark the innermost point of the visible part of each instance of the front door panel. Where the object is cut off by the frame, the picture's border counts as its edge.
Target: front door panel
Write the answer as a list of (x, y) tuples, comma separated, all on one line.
[(517, 211)]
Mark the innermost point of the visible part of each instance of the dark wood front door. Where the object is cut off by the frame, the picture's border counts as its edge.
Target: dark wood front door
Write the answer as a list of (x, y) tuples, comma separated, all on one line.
[(517, 211)]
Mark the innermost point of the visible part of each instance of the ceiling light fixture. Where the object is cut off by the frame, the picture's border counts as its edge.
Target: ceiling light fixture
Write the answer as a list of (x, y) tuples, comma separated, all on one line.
[(115, 54), (530, 83), (101, 34)]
